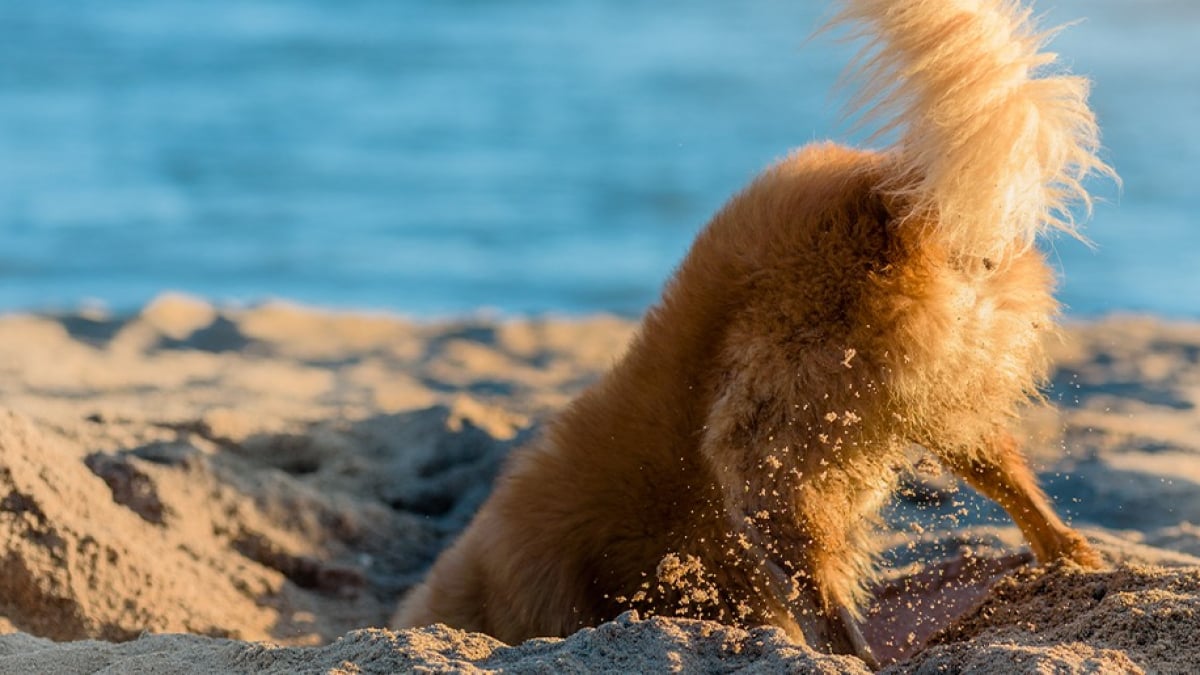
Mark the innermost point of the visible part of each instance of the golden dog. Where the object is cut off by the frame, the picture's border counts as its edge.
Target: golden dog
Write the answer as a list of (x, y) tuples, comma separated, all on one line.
[(846, 305)]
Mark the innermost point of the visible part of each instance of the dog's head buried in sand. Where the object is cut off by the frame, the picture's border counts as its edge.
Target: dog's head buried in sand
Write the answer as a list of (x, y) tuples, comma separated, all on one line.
[(846, 305)]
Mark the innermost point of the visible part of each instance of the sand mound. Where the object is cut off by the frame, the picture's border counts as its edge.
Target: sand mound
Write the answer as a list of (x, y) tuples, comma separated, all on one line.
[(626, 645), (1131, 619), (296, 537), (283, 475)]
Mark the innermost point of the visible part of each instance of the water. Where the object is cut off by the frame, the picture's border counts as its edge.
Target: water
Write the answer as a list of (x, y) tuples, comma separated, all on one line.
[(526, 155)]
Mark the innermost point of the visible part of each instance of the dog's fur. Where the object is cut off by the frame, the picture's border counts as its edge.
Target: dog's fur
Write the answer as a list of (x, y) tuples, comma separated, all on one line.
[(846, 305)]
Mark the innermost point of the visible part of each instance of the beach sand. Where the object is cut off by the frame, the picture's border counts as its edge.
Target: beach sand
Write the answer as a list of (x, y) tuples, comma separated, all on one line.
[(196, 489)]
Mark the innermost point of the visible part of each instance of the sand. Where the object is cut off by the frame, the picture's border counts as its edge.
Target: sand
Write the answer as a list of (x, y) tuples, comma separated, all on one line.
[(195, 489)]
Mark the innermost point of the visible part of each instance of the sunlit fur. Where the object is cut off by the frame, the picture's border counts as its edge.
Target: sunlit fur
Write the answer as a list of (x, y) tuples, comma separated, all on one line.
[(844, 306), (984, 142)]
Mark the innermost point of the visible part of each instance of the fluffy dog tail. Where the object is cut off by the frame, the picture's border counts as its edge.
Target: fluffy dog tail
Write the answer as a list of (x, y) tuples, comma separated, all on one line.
[(994, 142)]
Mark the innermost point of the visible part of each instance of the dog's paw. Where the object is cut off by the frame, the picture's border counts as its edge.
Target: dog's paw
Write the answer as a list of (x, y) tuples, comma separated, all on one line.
[(1077, 550)]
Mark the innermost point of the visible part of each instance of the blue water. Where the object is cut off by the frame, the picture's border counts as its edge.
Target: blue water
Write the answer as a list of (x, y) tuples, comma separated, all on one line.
[(526, 155)]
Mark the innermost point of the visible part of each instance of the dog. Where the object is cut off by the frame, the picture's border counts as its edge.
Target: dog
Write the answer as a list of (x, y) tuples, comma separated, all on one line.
[(845, 306)]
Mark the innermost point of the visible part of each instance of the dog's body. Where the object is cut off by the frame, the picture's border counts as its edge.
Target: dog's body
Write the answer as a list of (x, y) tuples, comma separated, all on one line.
[(844, 306)]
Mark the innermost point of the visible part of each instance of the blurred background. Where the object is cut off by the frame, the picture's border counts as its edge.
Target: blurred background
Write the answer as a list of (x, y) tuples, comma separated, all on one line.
[(525, 156)]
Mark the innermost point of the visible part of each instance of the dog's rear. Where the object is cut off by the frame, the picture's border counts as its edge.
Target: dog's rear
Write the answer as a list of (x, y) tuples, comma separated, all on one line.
[(845, 305)]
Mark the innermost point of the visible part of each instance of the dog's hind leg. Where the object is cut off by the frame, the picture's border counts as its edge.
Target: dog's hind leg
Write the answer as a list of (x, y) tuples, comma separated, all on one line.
[(800, 582), (800, 487), (999, 471)]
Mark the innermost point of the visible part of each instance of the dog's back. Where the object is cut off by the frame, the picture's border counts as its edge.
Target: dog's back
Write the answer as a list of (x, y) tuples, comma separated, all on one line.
[(846, 304)]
